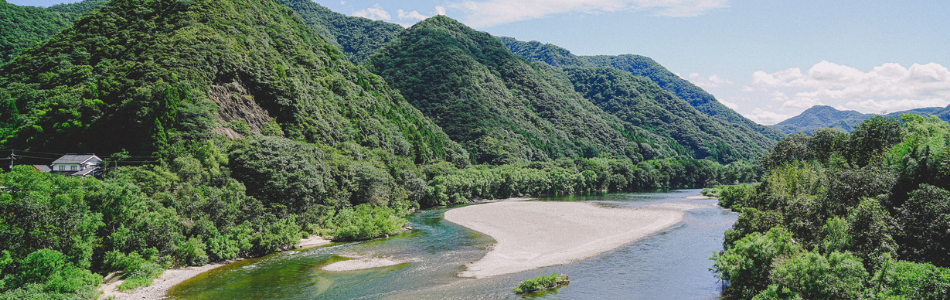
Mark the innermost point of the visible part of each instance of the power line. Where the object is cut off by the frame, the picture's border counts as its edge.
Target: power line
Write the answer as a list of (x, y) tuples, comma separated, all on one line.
[(37, 152), (27, 156)]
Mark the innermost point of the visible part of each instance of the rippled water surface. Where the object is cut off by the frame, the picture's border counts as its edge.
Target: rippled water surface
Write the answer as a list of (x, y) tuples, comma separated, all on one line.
[(670, 264)]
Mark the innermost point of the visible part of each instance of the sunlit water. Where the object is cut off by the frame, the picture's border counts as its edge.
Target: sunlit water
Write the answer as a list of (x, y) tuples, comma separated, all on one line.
[(670, 264)]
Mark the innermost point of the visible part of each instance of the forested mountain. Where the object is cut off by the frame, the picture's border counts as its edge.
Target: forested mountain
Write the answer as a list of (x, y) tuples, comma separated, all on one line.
[(23, 26), (501, 108), (356, 37), (822, 116), (640, 66), (754, 144), (642, 103), (100, 84)]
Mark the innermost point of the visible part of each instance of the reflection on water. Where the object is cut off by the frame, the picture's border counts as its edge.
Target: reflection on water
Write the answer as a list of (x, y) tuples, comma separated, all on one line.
[(670, 264)]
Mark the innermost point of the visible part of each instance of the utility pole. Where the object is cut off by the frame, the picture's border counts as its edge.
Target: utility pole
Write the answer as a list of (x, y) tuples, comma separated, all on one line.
[(12, 157)]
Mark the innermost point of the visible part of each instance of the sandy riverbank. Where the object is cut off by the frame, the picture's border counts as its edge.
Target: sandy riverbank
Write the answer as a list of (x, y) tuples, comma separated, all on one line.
[(172, 277), (533, 234)]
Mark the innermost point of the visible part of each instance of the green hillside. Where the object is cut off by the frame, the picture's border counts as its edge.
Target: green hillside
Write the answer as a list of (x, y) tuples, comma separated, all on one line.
[(642, 103), (105, 81), (639, 66), (322, 18), (21, 27), (357, 37), (498, 106)]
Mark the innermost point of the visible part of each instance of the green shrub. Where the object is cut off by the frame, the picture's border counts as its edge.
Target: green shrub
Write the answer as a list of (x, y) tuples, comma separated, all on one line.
[(748, 264), (732, 195), (139, 270), (192, 252), (366, 222), (541, 282)]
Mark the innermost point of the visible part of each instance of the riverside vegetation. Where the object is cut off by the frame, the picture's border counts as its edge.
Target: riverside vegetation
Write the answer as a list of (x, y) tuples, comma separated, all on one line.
[(540, 283), (265, 132), (845, 216)]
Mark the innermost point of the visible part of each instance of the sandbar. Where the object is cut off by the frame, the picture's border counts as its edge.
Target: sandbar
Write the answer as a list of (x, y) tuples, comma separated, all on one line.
[(533, 234), (361, 264)]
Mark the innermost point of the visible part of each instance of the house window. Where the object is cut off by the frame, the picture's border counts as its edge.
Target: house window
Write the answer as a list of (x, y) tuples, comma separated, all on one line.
[(62, 168), (73, 168)]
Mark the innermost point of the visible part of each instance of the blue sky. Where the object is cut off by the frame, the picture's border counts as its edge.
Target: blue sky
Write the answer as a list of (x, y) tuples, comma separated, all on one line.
[(768, 60)]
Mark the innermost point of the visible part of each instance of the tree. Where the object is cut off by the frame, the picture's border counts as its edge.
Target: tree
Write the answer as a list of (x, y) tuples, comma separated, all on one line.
[(748, 264)]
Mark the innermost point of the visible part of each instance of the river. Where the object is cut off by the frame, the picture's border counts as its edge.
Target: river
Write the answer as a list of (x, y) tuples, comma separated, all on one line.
[(670, 264)]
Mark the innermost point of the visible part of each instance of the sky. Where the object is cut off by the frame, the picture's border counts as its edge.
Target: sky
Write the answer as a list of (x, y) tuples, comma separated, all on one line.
[(768, 60)]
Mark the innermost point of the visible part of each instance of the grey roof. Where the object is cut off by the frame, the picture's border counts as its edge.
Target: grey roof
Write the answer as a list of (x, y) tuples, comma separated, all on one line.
[(84, 172), (75, 158), (42, 168)]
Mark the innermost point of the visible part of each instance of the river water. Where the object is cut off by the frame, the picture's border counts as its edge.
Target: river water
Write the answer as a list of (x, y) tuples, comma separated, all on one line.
[(670, 264)]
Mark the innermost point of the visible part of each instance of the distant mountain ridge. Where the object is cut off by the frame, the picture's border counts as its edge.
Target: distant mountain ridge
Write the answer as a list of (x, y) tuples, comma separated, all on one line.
[(639, 66), (823, 116)]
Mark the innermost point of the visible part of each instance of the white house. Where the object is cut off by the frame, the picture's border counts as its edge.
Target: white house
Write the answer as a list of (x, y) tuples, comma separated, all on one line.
[(76, 164)]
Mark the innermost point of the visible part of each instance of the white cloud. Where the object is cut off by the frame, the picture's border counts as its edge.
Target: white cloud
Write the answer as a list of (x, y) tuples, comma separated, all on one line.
[(710, 82), (439, 10), (730, 105), (373, 13), (746, 88), (889, 86), (767, 117), (487, 13), (413, 15), (889, 106)]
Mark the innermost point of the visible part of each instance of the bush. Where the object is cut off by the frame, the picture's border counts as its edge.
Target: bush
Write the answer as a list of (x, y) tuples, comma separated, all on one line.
[(748, 264), (366, 222), (139, 271), (542, 282), (733, 195), (814, 276), (51, 269)]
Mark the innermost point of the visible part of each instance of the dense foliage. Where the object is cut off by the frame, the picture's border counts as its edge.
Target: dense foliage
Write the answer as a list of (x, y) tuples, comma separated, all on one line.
[(541, 282), (641, 66), (63, 232), (581, 175), (845, 216), (22, 27)]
